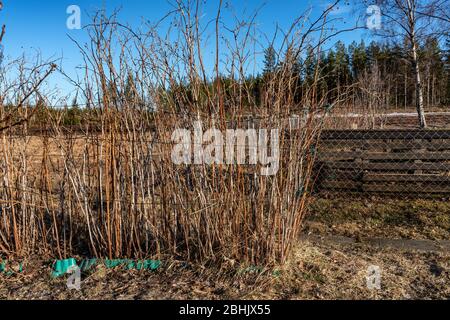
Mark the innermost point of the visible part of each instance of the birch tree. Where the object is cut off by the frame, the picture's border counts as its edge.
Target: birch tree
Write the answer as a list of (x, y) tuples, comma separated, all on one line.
[(414, 21)]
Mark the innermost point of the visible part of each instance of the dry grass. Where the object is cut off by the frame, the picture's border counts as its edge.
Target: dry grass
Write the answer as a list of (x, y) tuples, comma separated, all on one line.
[(315, 271), (339, 272), (362, 217)]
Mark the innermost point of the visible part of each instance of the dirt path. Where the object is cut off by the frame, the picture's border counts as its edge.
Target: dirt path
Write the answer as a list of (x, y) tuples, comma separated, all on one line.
[(400, 244)]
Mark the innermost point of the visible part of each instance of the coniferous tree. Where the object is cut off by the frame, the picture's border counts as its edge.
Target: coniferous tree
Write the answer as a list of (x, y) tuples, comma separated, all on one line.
[(358, 56), (270, 60)]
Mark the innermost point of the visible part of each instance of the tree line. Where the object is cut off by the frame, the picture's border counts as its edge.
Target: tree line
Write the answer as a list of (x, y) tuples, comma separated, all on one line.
[(380, 72), (375, 77)]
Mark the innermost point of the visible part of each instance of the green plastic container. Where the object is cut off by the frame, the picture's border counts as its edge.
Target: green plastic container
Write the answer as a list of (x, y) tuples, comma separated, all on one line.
[(3, 268), (62, 267), (144, 265), (111, 264), (87, 264), (133, 265)]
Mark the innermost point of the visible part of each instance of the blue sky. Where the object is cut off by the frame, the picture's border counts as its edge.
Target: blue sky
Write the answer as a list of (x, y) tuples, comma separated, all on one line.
[(41, 25)]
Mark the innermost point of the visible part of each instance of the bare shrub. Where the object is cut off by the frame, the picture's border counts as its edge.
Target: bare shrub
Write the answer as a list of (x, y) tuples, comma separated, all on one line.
[(109, 188)]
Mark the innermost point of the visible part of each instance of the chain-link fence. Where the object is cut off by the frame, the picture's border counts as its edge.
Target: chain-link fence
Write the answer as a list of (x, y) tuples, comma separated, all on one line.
[(389, 162)]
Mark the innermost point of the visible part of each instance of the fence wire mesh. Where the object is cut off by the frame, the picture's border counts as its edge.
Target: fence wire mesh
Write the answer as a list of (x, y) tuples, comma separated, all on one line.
[(385, 162)]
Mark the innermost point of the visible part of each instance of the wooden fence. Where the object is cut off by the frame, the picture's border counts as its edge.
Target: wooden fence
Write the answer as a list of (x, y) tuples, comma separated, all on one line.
[(408, 162)]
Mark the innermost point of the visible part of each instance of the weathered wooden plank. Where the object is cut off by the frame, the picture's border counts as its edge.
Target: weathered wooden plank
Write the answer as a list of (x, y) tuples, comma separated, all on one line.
[(385, 134), (405, 188), (339, 155), (408, 156), (347, 161), (330, 174), (341, 185), (345, 155), (431, 178), (404, 166), (432, 145)]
